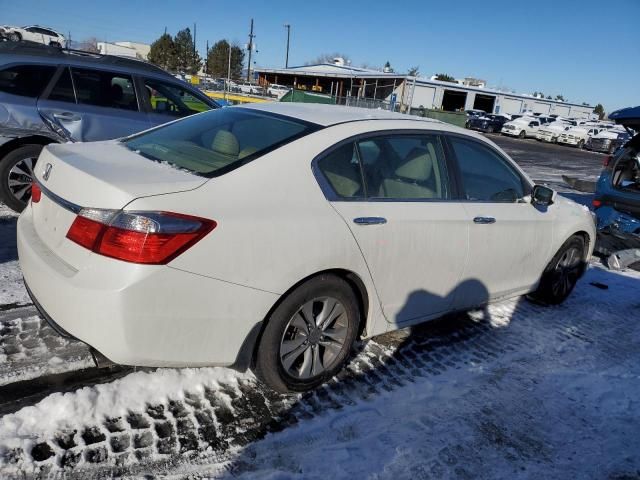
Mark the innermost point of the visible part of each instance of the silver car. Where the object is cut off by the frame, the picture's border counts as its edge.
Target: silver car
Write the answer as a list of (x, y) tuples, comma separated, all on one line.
[(49, 95)]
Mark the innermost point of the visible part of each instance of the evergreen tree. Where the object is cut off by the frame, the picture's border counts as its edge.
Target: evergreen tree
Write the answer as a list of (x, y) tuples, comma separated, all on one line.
[(599, 110), (163, 53), (187, 58), (219, 59)]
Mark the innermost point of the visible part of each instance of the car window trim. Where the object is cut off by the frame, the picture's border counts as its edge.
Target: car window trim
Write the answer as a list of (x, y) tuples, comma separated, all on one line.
[(331, 195), (526, 185), (113, 72)]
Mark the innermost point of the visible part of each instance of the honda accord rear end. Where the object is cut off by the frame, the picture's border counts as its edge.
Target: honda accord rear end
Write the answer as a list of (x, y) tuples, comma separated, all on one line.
[(102, 269)]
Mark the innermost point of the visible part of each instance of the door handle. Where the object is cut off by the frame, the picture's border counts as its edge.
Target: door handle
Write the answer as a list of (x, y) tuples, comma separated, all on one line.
[(484, 220), (370, 220), (66, 116)]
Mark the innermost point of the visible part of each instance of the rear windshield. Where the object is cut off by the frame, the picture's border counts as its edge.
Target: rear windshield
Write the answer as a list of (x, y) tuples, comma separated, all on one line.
[(213, 143)]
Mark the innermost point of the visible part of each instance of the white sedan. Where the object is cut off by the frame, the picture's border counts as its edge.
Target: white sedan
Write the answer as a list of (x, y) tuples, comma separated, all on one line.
[(33, 33), (274, 236)]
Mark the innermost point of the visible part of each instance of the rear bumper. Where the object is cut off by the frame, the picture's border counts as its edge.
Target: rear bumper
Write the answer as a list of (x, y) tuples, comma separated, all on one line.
[(141, 314)]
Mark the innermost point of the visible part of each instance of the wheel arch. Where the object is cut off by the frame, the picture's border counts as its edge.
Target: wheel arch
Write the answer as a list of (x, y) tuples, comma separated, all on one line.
[(11, 145), (246, 358)]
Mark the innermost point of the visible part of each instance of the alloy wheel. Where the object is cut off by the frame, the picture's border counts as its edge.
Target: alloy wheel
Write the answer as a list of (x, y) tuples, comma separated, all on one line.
[(314, 338), (21, 177), (566, 271)]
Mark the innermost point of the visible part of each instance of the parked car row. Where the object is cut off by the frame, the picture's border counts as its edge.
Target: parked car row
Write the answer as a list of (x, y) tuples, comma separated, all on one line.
[(51, 95)]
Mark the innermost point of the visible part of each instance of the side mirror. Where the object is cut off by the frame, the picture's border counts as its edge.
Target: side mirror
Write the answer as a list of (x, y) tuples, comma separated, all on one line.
[(543, 196)]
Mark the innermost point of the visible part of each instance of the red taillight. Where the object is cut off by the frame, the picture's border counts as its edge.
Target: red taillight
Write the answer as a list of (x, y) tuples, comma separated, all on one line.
[(36, 192), (138, 237), (85, 232), (596, 203), (607, 160)]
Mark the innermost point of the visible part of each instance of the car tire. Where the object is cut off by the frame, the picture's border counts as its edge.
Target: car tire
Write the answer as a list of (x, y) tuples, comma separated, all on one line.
[(54, 44), (561, 275), (291, 344), (580, 144), (15, 37), (16, 175), (522, 134)]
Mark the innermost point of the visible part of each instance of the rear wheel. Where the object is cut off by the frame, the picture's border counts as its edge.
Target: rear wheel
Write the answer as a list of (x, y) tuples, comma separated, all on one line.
[(562, 273), (309, 336), (16, 176), (522, 134)]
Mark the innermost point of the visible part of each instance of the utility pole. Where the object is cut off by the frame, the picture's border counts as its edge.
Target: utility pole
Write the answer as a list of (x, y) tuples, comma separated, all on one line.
[(69, 40), (288, 27), (228, 84), (250, 48), (194, 41), (206, 61)]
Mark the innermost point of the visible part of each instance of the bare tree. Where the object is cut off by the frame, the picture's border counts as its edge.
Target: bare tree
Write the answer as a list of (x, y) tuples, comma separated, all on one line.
[(89, 45)]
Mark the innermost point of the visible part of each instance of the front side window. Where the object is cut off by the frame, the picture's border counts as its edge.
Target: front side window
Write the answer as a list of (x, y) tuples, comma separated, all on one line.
[(404, 167), (218, 141), (172, 100), (486, 176), (26, 80), (104, 89)]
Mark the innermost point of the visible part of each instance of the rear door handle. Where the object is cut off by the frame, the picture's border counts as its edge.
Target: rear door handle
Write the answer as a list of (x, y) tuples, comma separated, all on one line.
[(484, 220), (370, 220)]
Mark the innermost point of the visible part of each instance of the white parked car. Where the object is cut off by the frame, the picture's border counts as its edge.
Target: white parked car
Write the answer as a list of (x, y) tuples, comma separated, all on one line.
[(521, 127), (248, 87), (33, 33), (550, 133), (578, 136), (277, 91), (275, 235)]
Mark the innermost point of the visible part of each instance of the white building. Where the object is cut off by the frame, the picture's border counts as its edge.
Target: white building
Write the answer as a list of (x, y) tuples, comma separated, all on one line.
[(125, 49), (452, 97)]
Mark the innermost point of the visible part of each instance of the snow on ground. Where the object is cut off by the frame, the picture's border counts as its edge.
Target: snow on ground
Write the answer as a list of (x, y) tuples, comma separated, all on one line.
[(514, 391)]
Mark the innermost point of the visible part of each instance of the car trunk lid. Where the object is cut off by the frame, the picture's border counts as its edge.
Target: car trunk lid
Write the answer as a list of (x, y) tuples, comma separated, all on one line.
[(103, 175)]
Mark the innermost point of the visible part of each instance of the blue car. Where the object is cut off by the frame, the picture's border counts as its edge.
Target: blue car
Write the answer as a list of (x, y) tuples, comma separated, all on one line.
[(617, 197)]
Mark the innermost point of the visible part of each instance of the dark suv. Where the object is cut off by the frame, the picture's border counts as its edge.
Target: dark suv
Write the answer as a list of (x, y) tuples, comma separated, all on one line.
[(487, 123), (51, 95)]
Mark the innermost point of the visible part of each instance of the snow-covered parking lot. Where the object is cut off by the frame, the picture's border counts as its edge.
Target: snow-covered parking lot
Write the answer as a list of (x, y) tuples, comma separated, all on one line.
[(517, 390)]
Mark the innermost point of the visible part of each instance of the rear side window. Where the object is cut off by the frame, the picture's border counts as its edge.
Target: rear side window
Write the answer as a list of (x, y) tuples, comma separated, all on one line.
[(26, 80), (405, 167), (342, 170), (63, 89), (486, 176), (215, 142), (104, 89)]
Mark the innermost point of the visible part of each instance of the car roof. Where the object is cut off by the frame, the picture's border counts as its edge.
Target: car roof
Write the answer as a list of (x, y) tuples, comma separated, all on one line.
[(327, 115), (629, 117), (11, 52)]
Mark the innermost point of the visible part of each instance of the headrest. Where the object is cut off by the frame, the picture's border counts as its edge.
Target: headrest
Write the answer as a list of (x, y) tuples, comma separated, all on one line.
[(418, 165), (225, 143), (246, 151)]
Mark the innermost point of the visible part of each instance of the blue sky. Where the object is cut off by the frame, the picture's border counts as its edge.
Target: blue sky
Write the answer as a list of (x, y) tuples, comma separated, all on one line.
[(587, 50)]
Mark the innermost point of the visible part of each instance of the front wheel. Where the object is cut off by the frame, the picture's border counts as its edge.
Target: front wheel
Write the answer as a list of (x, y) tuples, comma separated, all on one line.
[(16, 176), (561, 275), (581, 144), (522, 134), (309, 336), (15, 37)]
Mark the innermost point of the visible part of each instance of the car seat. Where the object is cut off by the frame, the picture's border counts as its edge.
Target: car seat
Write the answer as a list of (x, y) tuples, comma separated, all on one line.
[(414, 178)]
